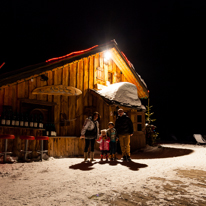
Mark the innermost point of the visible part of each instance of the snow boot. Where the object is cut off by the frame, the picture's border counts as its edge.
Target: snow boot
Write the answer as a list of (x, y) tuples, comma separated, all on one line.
[(114, 157), (91, 156), (128, 158), (85, 156), (101, 157), (110, 157), (124, 158), (106, 157)]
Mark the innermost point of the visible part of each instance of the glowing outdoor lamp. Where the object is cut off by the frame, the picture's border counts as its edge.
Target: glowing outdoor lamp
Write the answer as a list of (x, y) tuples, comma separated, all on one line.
[(107, 56)]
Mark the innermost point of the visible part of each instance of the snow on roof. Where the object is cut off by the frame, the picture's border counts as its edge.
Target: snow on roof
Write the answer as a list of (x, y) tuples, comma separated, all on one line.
[(122, 92)]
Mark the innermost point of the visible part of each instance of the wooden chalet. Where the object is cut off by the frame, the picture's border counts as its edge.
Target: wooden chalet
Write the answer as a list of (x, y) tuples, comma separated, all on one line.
[(62, 90)]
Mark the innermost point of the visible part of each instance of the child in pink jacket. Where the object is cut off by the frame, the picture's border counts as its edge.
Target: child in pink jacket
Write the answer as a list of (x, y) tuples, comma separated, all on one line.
[(104, 144)]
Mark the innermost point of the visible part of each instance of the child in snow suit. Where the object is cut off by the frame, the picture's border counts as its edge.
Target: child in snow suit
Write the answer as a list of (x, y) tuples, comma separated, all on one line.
[(104, 144), (112, 134)]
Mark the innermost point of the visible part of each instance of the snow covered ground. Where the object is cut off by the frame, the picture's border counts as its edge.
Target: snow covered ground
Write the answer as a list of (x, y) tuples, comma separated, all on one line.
[(172, 174)]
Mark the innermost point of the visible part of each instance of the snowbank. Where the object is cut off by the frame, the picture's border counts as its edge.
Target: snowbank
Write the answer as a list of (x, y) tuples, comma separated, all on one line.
[(122, 92)]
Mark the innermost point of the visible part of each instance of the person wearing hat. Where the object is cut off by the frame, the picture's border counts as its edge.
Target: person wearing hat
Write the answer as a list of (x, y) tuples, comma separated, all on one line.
[(124, 127)]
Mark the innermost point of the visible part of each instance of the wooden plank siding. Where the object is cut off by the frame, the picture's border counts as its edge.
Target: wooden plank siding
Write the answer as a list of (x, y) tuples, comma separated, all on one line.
[(72, 99), (57, 81), (86, 84), (32, 86), (79, 99), (2, 92), (81, 74)]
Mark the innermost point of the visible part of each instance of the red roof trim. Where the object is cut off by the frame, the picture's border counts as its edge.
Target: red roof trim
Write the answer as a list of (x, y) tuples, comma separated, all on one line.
[(2, 65), (126, 59), (71, 54)]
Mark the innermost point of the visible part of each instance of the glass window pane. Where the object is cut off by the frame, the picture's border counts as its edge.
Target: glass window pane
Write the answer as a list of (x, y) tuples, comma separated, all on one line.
[(139, 118)]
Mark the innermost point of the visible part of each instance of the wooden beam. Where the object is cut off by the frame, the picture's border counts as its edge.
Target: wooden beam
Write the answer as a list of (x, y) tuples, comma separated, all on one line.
[(40, 102)]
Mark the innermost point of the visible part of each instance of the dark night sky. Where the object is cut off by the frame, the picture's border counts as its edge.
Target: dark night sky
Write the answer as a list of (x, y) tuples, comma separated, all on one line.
[(163, 39)]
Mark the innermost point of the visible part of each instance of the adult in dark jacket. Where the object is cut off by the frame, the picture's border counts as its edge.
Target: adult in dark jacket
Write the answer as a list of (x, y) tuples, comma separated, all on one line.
[(124, 127)]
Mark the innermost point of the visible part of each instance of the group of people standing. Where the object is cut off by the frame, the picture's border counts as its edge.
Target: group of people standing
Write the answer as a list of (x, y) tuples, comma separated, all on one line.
[(122, 130)]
